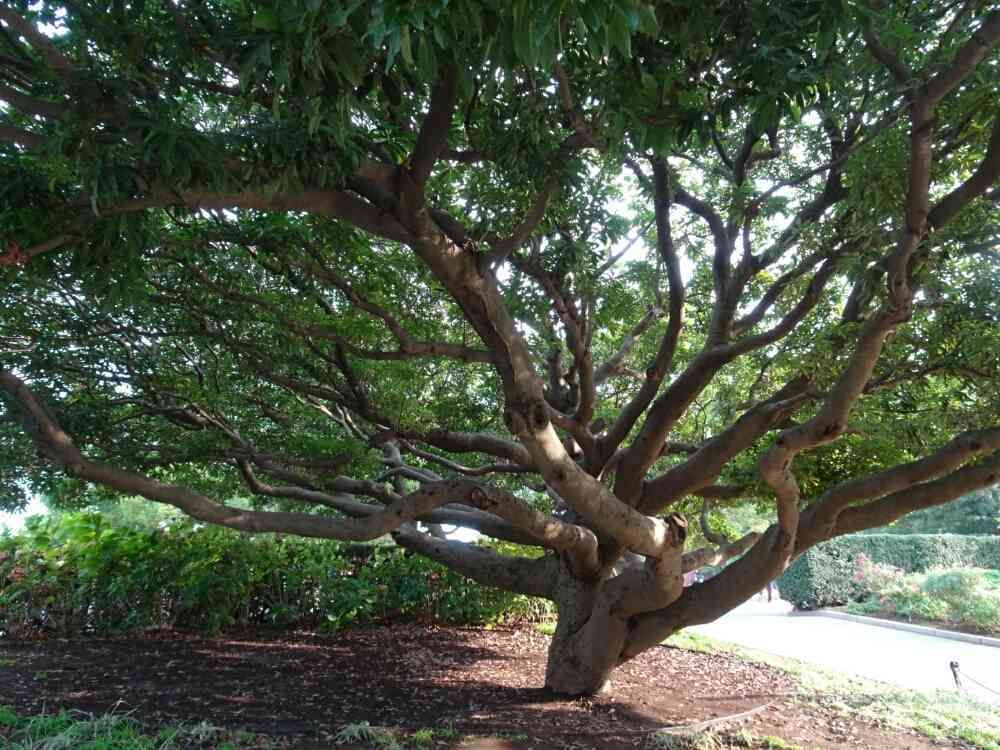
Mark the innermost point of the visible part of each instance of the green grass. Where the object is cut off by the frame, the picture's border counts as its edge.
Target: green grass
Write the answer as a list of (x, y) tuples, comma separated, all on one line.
[(712, 740), (365, 732), (75, 730), (422, 737), (548, 627), (940, 714)]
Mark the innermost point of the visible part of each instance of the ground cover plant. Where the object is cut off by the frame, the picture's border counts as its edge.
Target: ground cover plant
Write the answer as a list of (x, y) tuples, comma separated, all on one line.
[(77, 730), (566, 274)]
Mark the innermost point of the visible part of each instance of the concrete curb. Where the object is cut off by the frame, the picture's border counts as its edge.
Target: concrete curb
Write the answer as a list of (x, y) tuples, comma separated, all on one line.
[(981, 640)]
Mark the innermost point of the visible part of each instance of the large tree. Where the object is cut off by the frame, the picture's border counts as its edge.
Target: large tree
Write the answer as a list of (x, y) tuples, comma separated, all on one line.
[(558, 272)]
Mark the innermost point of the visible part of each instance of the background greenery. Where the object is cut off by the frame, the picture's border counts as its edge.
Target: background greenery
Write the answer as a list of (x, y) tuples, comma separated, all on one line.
[(824, 576), (963, 597), (78, 573)]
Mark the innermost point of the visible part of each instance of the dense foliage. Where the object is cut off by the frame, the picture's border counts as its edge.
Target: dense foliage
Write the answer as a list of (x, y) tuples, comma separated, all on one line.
[(78, 574), (568, 274), (964, 597), (825, 575)]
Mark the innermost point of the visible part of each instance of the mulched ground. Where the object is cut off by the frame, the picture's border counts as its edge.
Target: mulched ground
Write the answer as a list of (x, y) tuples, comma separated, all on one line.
[(301, 688)]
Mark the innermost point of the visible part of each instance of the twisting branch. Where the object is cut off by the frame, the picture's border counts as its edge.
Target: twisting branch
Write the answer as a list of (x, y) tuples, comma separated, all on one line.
[(501, 249), (703, 556), (663, 360), (471, 471), (706, 527), (820, 519), (654, 583), (518, 574), (831, 420), (433, 136), (579, 543)]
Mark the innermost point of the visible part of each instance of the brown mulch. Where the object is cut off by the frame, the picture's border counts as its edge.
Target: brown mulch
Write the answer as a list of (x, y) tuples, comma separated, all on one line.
[(302, 688)]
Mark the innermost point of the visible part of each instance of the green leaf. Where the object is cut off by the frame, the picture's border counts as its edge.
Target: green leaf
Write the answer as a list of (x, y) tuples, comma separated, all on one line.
[(647, 20), (266, 19), (619, 35), (405, 45)]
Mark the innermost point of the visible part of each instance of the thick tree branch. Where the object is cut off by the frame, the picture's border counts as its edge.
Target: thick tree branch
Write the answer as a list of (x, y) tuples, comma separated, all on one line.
[(38, 41), (53, 442), (675, 322), (702, 468), (653, 584), (819, 521), (518, 574), (703, 556), (9, 134), (937, 492), (985, 176), (433, 137)]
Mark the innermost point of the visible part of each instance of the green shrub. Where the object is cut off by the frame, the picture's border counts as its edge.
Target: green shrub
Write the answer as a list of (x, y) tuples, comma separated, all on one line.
[(824, 575), (954, 586), (77, 573), (966, 597)]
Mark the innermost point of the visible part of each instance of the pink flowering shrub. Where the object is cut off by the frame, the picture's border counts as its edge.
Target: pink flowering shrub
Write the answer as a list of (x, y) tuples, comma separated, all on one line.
[(966, 597), (875, 578)]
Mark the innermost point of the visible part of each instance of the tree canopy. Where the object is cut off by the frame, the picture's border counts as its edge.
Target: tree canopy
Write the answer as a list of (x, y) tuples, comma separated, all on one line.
[(563, 273)]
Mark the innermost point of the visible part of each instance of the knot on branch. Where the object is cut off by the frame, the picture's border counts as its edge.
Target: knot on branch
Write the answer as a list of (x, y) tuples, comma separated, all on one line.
[(521, 418), (515, 422), (480, 498), (676, 529), (538, 416)]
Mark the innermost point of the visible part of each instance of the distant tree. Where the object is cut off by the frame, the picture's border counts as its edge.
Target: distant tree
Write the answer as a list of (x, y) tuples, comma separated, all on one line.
[(559, 272), (978, 513)]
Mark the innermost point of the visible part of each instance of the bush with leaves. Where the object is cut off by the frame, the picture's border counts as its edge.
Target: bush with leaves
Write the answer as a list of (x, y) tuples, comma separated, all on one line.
[(964, 597), (825, 575), (77, 573)]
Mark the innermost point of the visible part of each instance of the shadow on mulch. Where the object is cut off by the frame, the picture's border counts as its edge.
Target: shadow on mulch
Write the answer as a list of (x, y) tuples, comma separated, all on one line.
[(303, 688)]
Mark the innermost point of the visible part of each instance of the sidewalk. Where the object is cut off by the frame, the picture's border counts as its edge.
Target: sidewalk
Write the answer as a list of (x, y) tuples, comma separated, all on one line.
[(907, 659)]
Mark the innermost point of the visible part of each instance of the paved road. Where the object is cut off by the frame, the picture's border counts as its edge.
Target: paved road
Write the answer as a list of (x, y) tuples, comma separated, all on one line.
[(908, 659)]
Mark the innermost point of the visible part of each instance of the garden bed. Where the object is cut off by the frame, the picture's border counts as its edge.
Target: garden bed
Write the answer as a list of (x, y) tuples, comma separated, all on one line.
[(302, 690), (933, 624)]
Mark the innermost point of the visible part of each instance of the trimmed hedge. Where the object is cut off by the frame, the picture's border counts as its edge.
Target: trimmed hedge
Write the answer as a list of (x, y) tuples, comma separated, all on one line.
[(824, 575), (79, 574)]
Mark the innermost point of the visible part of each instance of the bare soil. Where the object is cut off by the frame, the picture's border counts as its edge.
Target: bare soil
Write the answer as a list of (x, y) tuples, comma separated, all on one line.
[(300, 689)]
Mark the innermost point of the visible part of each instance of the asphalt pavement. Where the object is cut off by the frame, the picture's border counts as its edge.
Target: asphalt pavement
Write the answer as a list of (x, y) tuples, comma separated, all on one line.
[(910, 660)]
